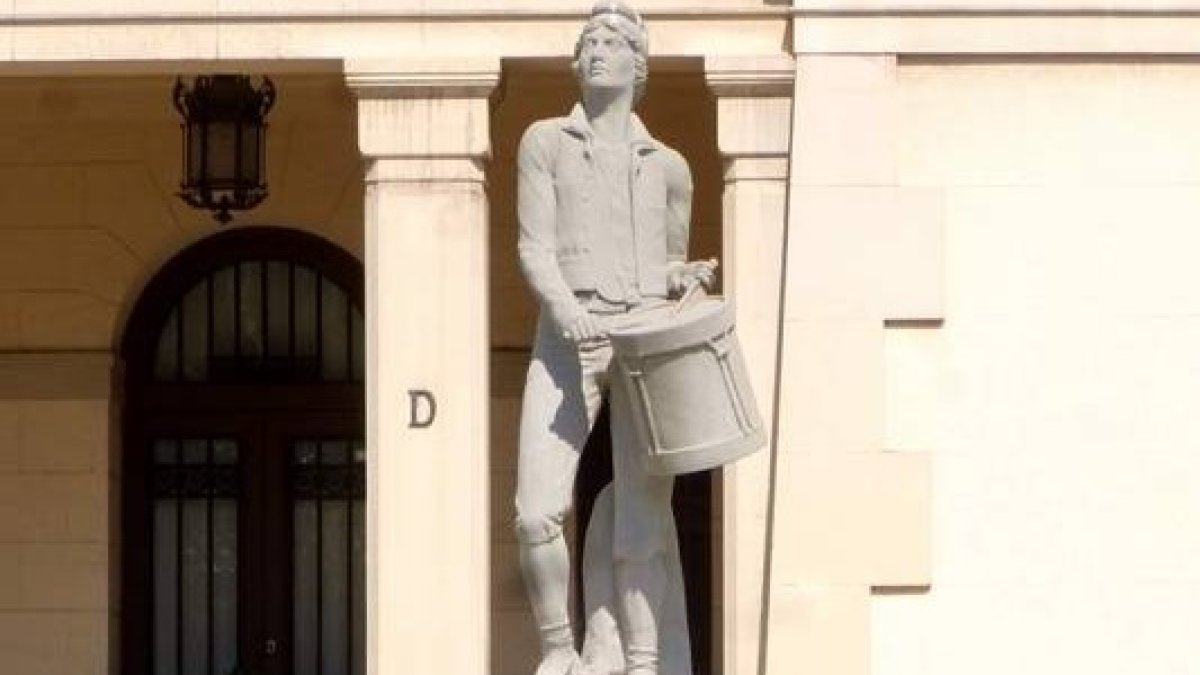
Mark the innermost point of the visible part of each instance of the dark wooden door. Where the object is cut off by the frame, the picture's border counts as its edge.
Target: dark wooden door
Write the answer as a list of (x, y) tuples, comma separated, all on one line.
[(256, 537), (243, 470)]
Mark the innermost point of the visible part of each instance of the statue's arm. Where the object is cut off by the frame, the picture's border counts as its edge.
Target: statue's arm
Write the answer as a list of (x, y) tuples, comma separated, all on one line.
[(537, 235), (679, 206), (679, 218)]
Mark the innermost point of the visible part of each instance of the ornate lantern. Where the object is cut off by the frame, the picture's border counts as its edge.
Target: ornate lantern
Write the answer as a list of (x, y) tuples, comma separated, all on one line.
[(224, 142)]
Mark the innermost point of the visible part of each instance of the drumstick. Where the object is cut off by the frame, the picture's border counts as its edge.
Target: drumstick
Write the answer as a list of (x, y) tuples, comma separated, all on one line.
[(693, 289)]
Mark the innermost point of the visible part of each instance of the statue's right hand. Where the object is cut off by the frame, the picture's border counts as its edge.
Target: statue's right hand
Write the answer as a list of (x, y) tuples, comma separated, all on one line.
[(585, 328)]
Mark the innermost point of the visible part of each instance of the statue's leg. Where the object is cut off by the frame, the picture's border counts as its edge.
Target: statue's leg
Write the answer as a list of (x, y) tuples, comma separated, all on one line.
[(640, 585), (546, 570), (560, 404), (643, 539)]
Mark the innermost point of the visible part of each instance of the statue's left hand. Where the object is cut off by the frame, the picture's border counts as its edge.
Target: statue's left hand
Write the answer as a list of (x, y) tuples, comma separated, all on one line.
[(586, 328)]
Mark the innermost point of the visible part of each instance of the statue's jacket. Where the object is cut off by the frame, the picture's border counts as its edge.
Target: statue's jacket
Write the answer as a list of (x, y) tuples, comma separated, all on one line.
[(556, 185)]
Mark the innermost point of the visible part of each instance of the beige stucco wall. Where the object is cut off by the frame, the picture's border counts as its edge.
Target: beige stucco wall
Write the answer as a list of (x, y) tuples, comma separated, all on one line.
[(1059, 398), (88, 168), (57, 482), (88, 172)]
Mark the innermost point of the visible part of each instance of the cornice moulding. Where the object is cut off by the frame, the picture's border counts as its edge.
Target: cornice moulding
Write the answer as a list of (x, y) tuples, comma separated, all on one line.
[(898, 28), (513, 14), (962, 8)]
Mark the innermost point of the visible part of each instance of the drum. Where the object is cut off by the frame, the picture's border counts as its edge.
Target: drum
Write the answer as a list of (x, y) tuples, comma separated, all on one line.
[(687, 385)]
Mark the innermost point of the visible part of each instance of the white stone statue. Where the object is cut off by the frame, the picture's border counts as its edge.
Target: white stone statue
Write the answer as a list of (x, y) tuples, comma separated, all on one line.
[(604, 213)]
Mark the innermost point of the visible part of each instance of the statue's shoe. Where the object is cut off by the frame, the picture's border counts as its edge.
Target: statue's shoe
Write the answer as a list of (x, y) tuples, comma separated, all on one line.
[(560, 662)]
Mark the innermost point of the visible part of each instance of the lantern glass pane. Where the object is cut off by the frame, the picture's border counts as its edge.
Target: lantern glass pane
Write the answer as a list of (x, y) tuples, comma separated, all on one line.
[(222, 154), (195, 153), (251, 137)]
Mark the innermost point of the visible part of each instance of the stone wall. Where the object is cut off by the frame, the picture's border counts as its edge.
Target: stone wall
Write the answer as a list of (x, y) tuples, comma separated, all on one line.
[(58, 481), (1064, 383)]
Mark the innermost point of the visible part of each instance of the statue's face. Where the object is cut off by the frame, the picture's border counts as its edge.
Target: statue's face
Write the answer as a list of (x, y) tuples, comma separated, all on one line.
[(606, 60)]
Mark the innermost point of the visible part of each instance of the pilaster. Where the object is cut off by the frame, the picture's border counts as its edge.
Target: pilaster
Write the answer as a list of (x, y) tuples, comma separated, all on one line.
[(848, 514), (753, 130), (423, 133)]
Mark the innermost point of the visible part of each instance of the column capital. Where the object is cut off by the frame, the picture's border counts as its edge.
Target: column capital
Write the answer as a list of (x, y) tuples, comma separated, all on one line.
[(750, 76), (423, 109), (754, 105)]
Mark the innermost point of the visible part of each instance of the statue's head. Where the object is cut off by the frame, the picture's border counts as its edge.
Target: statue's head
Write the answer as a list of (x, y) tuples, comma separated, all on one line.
[(609, 20)]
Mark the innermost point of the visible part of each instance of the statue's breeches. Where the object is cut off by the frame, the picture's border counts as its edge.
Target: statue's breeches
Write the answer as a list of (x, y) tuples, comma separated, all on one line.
[(564, 389)]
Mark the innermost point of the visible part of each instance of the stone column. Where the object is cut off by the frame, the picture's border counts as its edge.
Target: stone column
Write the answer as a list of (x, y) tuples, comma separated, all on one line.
[(423, 132), (753, 129)]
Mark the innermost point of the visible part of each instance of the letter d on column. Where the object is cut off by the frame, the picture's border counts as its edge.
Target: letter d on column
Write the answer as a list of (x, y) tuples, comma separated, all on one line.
[(422, 408)]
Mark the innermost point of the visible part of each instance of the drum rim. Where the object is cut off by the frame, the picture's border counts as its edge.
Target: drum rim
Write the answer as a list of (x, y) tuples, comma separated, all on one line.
[(709, 321)]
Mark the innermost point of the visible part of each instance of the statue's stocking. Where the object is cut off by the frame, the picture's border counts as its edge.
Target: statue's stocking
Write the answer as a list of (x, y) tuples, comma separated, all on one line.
[(640, 588), (546, 568)]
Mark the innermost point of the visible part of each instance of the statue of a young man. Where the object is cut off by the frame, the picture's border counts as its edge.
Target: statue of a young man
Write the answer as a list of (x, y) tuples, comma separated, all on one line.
[(604, 212)]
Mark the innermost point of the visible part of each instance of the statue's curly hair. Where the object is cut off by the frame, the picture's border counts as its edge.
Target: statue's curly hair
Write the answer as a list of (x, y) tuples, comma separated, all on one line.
[(621, 18)]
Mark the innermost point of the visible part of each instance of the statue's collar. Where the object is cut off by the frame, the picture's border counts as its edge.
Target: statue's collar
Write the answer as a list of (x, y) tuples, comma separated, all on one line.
[(577, 125)]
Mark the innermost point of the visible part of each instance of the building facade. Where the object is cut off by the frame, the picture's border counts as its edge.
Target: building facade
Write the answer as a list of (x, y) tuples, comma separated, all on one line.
[(958, 236)]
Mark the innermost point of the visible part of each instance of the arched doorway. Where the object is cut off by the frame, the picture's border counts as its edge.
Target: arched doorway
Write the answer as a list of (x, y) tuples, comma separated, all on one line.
[(243, 461)]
